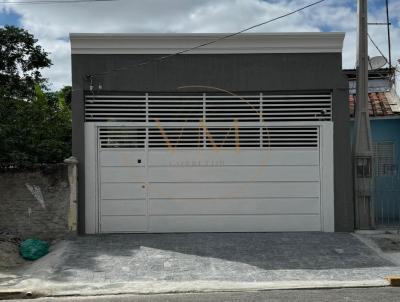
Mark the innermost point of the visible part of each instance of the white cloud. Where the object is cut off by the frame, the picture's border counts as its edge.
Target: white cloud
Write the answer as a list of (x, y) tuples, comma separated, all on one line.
[(51, 24)]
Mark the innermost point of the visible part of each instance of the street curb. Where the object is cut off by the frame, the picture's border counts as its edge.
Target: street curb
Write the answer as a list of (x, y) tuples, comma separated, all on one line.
[(18, 294), (147, 288)]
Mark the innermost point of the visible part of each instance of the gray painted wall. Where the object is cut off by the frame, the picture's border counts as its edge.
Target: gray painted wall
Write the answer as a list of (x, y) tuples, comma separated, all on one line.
[(275, 73)]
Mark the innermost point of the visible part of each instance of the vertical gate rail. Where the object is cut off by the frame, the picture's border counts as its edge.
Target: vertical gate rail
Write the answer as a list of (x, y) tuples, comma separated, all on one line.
[(387, 193)]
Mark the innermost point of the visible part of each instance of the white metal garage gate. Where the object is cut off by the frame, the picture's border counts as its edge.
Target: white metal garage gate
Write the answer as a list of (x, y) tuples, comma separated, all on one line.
[(208, 163)]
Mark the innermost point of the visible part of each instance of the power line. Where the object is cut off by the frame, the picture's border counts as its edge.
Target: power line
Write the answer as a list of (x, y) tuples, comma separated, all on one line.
[(376, 46), (53, 1), (207, 43)]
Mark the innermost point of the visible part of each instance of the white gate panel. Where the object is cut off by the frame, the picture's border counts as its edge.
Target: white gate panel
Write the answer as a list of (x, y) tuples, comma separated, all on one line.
[(123, 224), (234, 223), (209, 190), (227, 190), (123, 195), (235, 206), (122, 191), (157, 169), (233, 173), (123, 174), (234, 190), (119, 158), (111, 207), (231, 157)]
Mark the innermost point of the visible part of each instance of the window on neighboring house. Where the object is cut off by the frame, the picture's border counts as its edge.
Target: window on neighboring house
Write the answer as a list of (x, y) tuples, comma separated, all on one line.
[(384, 159)]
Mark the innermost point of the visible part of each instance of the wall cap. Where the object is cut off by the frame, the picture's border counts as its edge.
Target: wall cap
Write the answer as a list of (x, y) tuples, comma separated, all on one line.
[(72, 160), (156, 43)]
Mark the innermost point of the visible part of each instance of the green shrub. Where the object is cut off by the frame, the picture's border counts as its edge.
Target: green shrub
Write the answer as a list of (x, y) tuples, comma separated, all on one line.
[(35, 131)]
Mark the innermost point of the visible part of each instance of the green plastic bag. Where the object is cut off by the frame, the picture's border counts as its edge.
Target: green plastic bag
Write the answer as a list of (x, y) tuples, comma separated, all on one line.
[(33, 249)]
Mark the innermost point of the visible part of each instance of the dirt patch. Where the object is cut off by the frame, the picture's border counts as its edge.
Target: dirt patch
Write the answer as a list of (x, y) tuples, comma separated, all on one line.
[(9, 253), (388, 242)]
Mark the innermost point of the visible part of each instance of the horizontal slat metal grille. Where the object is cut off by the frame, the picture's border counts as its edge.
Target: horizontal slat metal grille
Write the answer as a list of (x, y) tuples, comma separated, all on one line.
[(173, 137), (175, 109), (208, 107), (298, 137), (233, 137), (229, 108), (297, 108), (210, 137), (122, 137), (101, 108)]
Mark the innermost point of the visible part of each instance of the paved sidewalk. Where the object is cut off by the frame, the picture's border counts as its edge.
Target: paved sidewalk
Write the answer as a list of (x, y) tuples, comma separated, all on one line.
[(147, 263)]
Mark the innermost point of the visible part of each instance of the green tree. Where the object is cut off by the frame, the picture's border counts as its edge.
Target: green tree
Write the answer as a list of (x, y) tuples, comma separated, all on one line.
[(66, 93), (20, 62), (35, 124), (36, 131)]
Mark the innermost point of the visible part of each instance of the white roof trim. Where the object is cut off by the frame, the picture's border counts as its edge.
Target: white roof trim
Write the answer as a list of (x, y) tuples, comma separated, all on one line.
[(82, 43)]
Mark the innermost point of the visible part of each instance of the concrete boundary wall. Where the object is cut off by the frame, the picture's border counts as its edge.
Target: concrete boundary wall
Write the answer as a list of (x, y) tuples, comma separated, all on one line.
[(35, 203)]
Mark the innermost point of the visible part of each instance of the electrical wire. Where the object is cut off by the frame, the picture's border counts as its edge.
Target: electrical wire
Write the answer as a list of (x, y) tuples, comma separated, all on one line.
[(376, 46), (389, 76), (207, 43), (53, 1)]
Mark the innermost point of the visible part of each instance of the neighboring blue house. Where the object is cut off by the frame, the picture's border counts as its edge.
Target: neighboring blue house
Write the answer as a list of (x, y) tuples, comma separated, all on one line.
[(384, 111)]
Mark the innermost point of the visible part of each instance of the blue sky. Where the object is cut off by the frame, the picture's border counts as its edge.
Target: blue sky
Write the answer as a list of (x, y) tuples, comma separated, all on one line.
[(9, 18), (51, 24)]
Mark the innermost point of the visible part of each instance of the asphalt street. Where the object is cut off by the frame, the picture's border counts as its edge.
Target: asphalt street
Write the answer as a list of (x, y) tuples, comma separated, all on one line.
[(386, 294)]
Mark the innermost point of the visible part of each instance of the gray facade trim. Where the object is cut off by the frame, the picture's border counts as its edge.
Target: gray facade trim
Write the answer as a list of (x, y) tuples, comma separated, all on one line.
[(319, 42)]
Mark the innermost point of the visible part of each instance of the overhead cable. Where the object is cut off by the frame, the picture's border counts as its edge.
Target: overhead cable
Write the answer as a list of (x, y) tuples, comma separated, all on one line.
[(208, 43), (53, 1), (376, 46)]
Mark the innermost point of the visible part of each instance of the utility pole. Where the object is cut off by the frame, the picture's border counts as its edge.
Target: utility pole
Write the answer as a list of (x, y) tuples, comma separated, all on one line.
[(362, 150), (388, 34)]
